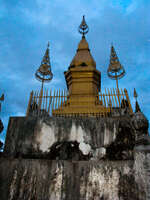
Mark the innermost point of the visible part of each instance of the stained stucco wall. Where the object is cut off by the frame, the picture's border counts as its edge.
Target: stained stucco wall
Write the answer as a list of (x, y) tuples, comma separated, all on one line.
[(26, 135), (65, 180), (45, 179)]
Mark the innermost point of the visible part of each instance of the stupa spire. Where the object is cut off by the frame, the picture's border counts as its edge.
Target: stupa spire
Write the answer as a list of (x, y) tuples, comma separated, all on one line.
[(83, 28), (115, 69), (83, 56)]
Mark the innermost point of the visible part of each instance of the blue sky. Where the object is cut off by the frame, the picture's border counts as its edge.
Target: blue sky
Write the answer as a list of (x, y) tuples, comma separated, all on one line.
[(27, 26)]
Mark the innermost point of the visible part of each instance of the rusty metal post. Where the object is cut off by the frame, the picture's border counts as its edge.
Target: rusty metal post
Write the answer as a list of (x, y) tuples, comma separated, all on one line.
[(40, 98), (127, 97), (29, 104)]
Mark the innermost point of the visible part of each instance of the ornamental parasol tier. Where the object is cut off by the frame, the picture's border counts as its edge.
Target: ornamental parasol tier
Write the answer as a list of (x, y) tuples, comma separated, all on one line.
[(115, 69), (44, 73)]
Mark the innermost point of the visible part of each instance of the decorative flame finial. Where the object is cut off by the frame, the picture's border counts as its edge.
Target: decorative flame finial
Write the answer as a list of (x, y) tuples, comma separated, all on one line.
[(115, 69), (83, 28), (44, 73)]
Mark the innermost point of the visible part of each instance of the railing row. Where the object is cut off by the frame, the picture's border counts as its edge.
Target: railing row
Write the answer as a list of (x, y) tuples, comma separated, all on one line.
[(45, 102)]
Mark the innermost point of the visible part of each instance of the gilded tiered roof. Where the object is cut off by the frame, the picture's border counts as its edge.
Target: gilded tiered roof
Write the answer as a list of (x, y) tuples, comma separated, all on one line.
[(83, 56)]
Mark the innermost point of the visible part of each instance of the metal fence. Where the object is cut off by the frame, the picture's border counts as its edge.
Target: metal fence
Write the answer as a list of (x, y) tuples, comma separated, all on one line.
[(45, 102)]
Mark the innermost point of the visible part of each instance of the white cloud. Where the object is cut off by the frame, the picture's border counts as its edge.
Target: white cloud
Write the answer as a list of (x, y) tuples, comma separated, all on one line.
[(33, 16), (19, 114), (56, 81), (132, 7), (61, 14)]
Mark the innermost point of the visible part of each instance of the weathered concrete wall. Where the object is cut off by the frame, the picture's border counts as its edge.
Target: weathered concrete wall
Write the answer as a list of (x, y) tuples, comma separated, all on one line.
[(65, 180), (50, 178), (142, 165), (28, 135)]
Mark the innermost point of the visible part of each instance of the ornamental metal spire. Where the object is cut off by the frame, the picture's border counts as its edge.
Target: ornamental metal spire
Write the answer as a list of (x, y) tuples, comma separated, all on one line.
[(137, 107), (115, 69), (135, 94), (44, 73), (83, 28)]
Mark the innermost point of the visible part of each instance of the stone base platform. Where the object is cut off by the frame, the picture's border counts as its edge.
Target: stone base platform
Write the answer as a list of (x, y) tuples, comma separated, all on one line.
[(35, 179)]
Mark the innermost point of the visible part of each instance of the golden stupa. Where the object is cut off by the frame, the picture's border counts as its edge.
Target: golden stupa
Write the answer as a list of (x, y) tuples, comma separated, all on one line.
[(83, 82)]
